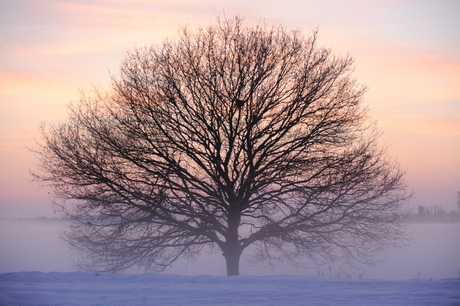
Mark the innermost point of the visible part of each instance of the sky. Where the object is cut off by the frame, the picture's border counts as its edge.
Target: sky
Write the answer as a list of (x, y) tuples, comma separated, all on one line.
[(406, 52)]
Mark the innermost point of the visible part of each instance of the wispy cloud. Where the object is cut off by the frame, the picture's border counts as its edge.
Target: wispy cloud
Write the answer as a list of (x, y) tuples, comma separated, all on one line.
[(435, 117)]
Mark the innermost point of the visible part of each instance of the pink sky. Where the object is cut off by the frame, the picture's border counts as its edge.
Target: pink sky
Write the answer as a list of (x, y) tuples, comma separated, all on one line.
[(406, 52)]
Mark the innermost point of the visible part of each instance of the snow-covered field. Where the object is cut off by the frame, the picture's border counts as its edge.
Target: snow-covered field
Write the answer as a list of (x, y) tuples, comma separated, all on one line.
[(78, 288)]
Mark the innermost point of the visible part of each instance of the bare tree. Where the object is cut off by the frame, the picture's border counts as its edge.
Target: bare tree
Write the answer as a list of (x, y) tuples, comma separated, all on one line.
[(228, 137)]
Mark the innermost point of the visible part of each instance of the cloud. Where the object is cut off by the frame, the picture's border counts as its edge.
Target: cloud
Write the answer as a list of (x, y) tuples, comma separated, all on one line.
[(412, 90), (436, 117)]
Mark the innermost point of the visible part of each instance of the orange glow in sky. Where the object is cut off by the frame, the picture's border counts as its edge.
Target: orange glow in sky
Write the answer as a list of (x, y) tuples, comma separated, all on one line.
[(406, 52)]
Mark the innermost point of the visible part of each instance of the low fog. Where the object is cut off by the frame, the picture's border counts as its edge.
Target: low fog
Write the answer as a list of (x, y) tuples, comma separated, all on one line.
[(34, 245)]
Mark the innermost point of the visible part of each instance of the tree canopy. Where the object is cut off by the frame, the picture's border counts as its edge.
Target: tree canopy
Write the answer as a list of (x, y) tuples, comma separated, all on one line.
[(229, 136)]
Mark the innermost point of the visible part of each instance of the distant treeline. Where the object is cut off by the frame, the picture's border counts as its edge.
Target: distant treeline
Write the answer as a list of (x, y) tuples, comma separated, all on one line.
[(433, 214), (32, 219), (424, 214)]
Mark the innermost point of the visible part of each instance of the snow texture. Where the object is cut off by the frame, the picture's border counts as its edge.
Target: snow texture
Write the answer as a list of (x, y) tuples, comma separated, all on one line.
[(79, 288)]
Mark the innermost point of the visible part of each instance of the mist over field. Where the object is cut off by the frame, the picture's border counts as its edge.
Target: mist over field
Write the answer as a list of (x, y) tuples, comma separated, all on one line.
[(34, 245)]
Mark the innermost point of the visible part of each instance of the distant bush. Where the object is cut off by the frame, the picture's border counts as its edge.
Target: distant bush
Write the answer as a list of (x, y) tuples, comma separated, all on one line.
[(433, 214)]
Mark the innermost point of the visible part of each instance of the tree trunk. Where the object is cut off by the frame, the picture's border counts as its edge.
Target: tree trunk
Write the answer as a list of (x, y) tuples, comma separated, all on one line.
[(232, 259), (232, 250)]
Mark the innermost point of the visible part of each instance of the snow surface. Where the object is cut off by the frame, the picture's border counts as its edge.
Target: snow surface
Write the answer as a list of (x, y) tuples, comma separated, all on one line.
[(80, 288)]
